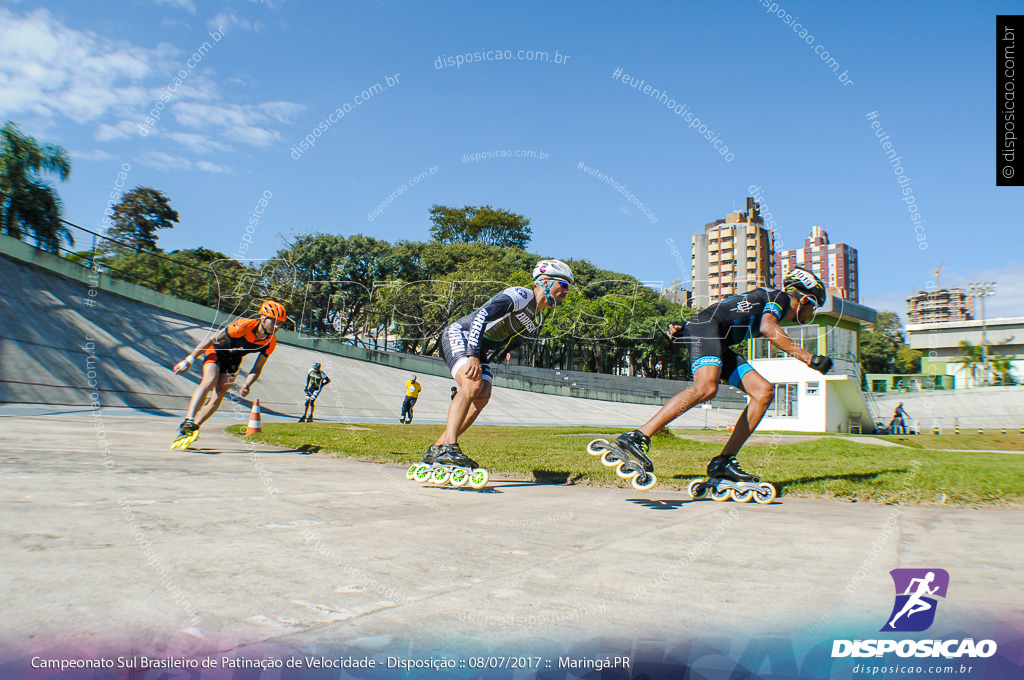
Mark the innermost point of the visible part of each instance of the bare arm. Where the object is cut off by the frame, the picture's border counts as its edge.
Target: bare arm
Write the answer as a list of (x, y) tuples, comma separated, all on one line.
[(254, 374), (773, 332)]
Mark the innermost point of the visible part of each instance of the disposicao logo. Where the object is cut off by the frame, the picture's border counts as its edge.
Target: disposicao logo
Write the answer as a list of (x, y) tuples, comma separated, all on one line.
[(914, 609), (913, 612)]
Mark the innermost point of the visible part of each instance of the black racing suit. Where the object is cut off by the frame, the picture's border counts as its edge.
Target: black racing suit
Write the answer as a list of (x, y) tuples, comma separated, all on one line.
[(709, 334)]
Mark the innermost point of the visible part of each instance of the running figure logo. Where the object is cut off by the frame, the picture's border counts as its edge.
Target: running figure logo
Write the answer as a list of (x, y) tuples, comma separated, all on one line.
[(914, 610)]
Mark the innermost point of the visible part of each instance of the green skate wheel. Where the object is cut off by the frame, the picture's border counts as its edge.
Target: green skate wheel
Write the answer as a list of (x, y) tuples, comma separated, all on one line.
[(643, 481), (765, 494), (478, 478), (719, 496), (441, 475), (460, 477), (742, 496), (598, 446), (624, 474), (411, 472), (422, 473), (696, 485), (610, 458)]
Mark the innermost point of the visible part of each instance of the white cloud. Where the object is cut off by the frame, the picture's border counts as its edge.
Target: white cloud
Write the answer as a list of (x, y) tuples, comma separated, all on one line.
[(241, 123), (169, 162), (200, 144), (122, 130), (50, 70), (187, 5), (206, 166), (164, 161), (230, 21), (93, 155)]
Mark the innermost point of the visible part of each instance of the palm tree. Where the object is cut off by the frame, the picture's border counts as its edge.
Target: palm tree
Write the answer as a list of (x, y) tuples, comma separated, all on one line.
[(29, 204), (1003, 367), (971, 359)]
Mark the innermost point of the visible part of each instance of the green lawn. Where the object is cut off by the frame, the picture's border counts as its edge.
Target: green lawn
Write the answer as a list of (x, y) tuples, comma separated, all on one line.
[(831, 467)]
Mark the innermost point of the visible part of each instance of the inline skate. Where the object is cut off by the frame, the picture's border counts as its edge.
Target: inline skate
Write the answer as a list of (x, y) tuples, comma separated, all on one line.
[(448, 464), (726, 479), (188, 433), (628, 455)]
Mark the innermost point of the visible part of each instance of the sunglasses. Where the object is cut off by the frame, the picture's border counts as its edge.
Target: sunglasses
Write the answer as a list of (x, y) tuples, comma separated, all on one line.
[(807, 298), (563, 283)]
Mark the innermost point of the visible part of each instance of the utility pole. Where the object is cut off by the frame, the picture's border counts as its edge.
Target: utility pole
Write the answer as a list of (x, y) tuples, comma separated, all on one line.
[(981, 290)]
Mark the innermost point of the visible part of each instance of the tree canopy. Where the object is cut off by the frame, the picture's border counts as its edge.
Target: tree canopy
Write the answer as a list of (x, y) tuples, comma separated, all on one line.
[(483, 224), (29, 205)]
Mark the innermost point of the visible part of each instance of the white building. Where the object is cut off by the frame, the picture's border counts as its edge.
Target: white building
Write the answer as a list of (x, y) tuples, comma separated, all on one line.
[(805, 400)]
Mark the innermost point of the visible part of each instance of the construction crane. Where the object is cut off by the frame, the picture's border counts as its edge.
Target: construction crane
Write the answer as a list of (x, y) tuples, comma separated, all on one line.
[(937, 275)]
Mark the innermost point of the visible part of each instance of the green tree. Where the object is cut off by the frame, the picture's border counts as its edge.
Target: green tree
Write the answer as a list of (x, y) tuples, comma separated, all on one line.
[(880, 344), (139, 215), (29, 205), (908, 360), (482, 224)]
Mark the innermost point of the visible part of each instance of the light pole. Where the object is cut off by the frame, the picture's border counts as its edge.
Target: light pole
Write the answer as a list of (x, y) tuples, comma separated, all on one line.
[(981, 290)]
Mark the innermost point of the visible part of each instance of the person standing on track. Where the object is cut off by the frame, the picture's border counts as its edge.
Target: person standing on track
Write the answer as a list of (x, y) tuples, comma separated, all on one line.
[(223, 354), (471, 342), (316, 380), (412, 393)]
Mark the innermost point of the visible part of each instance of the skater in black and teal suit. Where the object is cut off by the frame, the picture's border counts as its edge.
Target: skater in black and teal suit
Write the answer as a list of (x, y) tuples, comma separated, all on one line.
[(708, 336)]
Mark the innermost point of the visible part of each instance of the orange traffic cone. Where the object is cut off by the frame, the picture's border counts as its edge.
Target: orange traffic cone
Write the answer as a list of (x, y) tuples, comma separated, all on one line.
[(255, 425)]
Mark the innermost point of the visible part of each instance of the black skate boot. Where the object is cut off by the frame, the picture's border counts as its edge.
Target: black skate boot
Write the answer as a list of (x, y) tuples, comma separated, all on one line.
[(430, 455), (636, 444), (727, 467), (628, 455), (451, 454), (727, 480)]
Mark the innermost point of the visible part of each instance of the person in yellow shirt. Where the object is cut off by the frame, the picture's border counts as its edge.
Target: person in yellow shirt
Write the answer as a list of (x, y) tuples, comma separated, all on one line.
[(412, 393)]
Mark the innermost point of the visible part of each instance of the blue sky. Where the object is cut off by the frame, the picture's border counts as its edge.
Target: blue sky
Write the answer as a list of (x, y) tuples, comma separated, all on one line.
[(84, 75)]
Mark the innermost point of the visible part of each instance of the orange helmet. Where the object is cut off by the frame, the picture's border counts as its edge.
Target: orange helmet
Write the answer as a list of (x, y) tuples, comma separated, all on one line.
[(275, 310)]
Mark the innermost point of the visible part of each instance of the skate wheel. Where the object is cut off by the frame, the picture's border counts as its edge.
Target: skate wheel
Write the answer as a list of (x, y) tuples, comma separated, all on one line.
[(478, 478), (697, 489), (623, 472), (742, 496), (719, 496), (765, 494), (598, 446), (643, 481), (441, 475), (411, 472), (460, 477), (422, 473), (610, 459)]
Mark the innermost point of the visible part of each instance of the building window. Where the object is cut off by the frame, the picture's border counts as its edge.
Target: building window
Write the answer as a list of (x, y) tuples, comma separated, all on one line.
[(785, 404), (812, 388)]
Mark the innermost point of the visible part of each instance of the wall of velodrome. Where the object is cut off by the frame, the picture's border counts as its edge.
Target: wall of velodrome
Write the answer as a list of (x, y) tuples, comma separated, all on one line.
[(67, 321)]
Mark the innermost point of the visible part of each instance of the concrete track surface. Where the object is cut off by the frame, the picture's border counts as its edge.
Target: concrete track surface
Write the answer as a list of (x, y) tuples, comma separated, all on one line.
[(173, 552)]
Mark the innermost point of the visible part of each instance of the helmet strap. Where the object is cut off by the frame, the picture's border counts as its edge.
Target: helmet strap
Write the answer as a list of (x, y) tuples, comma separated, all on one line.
[(547, 291)]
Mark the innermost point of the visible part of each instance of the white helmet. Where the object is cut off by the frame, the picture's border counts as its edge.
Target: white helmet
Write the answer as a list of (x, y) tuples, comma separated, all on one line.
[(553, 268)]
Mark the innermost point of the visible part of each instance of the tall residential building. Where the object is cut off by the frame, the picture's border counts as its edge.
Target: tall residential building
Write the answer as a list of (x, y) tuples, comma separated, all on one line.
[(731, 256), (834, 263), (938, 306)]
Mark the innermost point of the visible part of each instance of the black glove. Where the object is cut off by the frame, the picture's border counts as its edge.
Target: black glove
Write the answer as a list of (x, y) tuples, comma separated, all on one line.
[(822, 364)]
